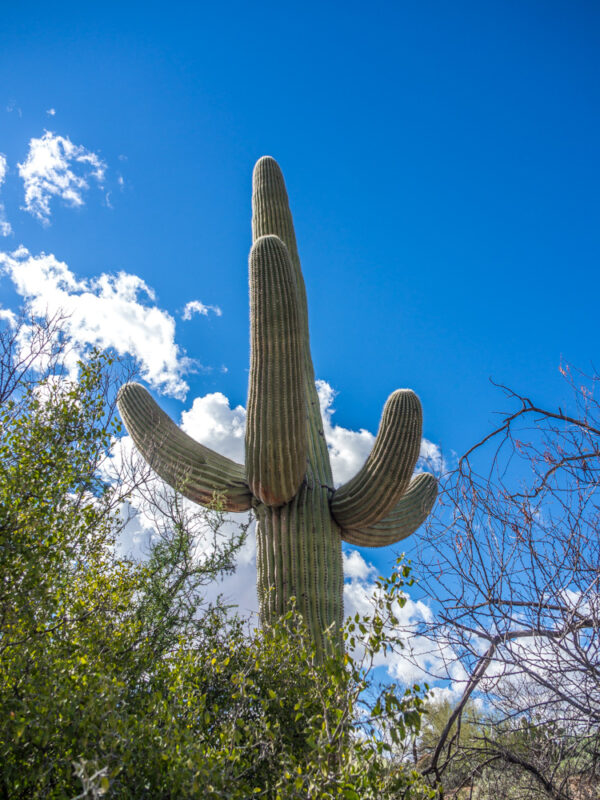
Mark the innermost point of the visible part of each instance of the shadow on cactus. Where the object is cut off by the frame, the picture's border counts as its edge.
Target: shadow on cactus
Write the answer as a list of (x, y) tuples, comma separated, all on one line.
[(301, 518)]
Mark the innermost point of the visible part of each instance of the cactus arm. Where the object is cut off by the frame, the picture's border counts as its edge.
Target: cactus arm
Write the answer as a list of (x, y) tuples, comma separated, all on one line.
[(194, 470), (406, 516), (276, 435), (374, 491)]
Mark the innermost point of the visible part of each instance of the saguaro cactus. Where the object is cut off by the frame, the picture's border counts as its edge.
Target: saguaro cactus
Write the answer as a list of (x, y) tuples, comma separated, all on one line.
[(302, 518)]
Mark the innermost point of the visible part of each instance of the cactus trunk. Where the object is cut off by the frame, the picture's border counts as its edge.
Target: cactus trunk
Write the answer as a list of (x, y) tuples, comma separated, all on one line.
[(301, 518), (299, 555)]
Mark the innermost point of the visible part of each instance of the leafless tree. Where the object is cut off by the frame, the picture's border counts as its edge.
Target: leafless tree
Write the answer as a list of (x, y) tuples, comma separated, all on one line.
[(511, 560), (30, 348)]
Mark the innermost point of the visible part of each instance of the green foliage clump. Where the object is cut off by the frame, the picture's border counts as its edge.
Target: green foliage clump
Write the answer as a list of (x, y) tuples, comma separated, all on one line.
[(118, 680)]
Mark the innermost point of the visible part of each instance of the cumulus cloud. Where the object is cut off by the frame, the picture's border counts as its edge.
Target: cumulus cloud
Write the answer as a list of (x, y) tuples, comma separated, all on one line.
[(212, 422), (5, 228), (431, 458), (51, 112), (55, 167), (196, 307), (356, 568), (110, 311), (348, 450), (215, 424), (416, 660)]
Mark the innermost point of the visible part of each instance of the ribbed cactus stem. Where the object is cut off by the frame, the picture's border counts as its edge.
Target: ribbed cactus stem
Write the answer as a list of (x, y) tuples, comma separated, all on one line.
[(276, 435), (387, 472), (405, 517), (298, 546), (194, 470), (271, 215), (301, 519), (299, 555)]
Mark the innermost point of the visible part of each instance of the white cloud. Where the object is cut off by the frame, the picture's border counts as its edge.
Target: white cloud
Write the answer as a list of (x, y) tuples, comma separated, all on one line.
[(239, 589), (51, 112), (5, 227), (431, 458), (196, 307), (9, 316), (110, 311), (49, 171), (212, 422), (355, 567), (348, 450), (419, 659)]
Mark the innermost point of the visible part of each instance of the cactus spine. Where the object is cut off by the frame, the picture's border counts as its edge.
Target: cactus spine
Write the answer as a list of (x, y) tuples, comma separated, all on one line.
[(301, 518)]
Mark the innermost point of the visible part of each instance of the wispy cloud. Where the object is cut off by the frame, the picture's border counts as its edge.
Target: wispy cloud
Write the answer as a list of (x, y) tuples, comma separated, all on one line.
[(110, 311), (5, 228), (51, 112), (55, 167), (12, 106), (8, 316), (196, 307)]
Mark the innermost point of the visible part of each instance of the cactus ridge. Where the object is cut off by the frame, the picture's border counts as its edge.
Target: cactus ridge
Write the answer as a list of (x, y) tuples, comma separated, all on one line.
[(287, 480), (298, 559), (276, 435), (271, 215)]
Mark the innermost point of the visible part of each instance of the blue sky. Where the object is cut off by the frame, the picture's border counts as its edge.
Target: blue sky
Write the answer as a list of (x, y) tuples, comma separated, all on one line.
[(442, 165)]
